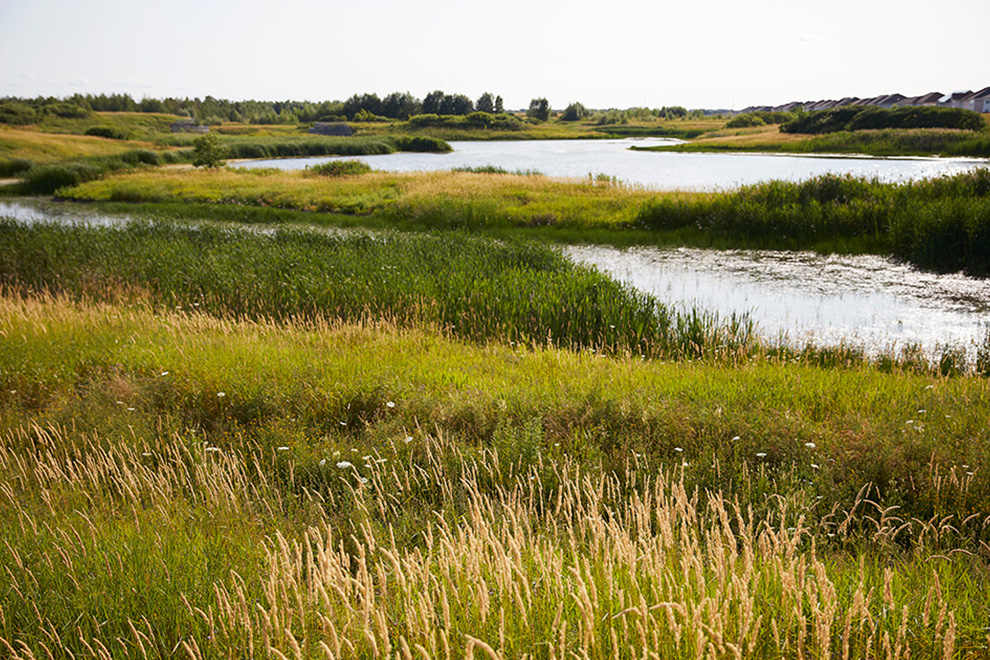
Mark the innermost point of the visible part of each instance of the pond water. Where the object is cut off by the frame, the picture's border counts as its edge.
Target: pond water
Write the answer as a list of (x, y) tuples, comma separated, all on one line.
[(867, 301), (661, 170)]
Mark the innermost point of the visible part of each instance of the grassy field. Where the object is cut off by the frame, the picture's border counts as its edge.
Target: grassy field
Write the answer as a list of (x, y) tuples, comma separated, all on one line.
[(177, 482)]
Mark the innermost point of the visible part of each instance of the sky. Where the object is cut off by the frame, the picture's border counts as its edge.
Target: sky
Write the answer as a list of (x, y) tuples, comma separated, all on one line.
[(604, 54)]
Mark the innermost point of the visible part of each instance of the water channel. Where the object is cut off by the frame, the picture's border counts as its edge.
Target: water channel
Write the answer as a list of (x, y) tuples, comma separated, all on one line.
[(660, 170)]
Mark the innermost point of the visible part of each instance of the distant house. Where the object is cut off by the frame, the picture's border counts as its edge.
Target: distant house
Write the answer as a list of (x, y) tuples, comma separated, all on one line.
[(332, 128), (954, 100), (929, 99), (977, 101), (189, 126)]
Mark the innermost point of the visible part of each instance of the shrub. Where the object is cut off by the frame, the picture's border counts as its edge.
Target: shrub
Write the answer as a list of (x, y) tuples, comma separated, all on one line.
[(746, 121), (47, 179), (337, 168), (110, 132), (15, 113), (208, 152), (15, 166), (420, 143), (574, 112)]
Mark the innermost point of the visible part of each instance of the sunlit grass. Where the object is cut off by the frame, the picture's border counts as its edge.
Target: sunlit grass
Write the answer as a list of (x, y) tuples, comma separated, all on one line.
[(172, 480)]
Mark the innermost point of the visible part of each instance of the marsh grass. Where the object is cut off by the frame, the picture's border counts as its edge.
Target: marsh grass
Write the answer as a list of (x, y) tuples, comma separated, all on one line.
[(480, 289)]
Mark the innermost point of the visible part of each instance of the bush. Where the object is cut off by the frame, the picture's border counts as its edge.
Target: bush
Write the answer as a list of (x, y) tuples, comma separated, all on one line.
[(15, 166), (47, 179), (858, 118), (208, 152), (338, 168), (420, 143), (15, 113), (574, 112), (746, 120), (110, 132)]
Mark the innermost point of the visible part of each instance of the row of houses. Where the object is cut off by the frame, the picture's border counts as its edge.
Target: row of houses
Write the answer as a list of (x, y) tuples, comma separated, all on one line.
[(978, 101)]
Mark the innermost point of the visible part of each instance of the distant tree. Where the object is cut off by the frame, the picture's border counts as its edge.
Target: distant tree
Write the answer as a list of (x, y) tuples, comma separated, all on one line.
[(433, 103), (456, 104), (574, 112), (485, 103), (539, 109), (398, 105), (208, 152), (498, 104)]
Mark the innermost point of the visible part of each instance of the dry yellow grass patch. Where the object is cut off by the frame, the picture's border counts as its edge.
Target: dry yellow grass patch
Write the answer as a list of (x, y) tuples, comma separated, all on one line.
[(748, 137), (51, 147)]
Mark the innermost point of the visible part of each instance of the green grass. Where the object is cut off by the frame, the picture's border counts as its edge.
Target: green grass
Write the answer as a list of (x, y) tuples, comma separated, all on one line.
[(880, 142), (170, 480)]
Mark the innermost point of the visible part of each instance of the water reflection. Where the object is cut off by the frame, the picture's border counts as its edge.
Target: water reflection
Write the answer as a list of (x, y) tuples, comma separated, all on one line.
[(868, 301)]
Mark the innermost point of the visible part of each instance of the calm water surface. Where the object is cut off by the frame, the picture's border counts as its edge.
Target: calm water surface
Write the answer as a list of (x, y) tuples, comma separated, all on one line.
[(868, 301), (661, 170)]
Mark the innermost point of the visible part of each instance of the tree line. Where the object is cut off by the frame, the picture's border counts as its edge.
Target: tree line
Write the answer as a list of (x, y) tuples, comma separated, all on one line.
[(359, 107)]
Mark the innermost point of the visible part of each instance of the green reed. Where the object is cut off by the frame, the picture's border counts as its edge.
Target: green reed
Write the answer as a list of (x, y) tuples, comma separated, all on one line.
[(476, 288)]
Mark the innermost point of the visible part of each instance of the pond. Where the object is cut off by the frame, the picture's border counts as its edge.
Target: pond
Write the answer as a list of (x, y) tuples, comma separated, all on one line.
[(660, 170), (871, 302)]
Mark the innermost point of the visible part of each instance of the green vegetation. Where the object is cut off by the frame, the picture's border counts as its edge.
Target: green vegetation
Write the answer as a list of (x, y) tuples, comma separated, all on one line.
[(339, 168), (208, 152), (477, 289), (857, 118), (186, 478), (760, 118), (941, 224)]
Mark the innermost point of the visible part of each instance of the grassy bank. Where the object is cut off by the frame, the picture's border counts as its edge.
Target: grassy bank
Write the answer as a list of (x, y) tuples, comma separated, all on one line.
[(938, 224), (885, 142), (173, 480)]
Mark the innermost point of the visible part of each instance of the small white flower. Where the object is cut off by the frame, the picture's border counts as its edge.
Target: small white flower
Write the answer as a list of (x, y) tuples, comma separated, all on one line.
[(814, 466), (407, 439), (343, 465), (679, 449), (221, 395), (164, 373), (282, 448), (323, 462), (336, 452), (212, 449), (146, 453), (556, 444), (922, 411), (343, 423), (685, 464), (363, 480), (761, 454), (735, 437), (809, 445), (390, 404)]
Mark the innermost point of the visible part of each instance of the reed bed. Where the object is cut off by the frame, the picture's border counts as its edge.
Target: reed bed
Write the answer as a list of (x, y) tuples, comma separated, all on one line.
[(476, 288)]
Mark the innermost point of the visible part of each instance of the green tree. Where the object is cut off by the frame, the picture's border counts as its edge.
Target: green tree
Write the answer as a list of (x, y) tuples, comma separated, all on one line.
[(498, 104), (208, 152), (485, 103), (574, 112), (539, 109)]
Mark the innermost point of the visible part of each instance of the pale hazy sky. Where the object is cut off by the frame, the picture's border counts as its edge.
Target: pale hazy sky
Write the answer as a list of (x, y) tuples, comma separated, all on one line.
[(618, 53)]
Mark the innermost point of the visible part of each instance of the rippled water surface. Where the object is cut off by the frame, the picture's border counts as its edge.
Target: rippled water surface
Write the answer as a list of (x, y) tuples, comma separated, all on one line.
[(868, 301), (662, 170)]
